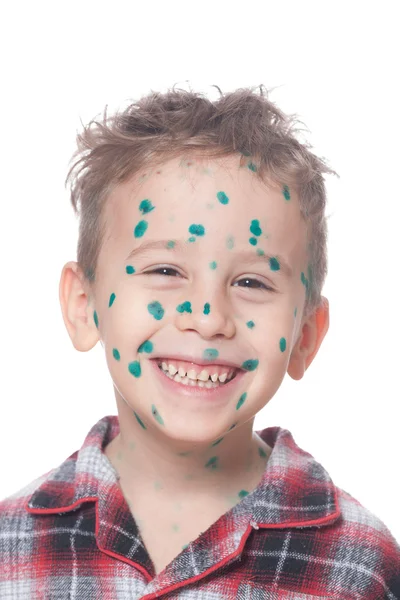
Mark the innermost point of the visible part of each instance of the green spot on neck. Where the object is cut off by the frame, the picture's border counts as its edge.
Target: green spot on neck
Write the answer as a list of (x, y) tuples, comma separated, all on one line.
[(217, 442), (140, 229), (295, 312), (210, 353), (156, 310), (184, 307), (262, 452), (116, 354), (146, 206), (112, 298), (212, 462), (243, 493), (156, 414), (139, 420), (282, 344), (241, 400), (206, 309), (96, 319)]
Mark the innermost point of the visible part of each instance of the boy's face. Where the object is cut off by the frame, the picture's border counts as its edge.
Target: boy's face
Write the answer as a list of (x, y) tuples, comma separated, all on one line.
[(186, 274)]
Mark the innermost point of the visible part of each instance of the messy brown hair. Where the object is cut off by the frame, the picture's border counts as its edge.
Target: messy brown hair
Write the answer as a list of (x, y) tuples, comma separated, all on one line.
[(162, 126)]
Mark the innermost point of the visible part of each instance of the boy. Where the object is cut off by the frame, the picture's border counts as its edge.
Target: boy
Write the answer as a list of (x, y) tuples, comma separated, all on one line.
[(201, 259)]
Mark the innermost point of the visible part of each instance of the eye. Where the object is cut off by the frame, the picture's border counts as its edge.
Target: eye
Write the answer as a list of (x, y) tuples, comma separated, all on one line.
[(252, 284), (168, 271)]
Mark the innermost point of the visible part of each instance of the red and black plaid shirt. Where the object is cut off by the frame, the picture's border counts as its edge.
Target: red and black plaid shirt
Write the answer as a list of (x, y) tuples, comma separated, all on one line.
[(70, 535)]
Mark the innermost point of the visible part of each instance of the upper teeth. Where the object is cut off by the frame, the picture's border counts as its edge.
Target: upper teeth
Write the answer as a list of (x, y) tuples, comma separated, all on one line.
[(193, 374)]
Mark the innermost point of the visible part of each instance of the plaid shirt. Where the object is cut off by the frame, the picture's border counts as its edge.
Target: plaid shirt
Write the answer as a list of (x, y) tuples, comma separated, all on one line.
[(70, 535)]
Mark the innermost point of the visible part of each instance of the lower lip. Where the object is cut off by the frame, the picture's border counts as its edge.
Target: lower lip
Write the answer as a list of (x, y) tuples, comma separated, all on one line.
[(222, 392)]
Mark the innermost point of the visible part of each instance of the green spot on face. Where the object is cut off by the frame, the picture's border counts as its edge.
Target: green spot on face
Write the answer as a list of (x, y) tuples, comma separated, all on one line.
[(158, 485), (90, 274), (274, 264), (112, 298), (210, 353), (196, 229), (250, 365), (222, 197), (252, 166), (253, 241), (185, 546), (242, 493), (282, 344), (130, 270), (175, 527), (156, 415), (250, 324), (140, 229), (192, 239), (96, 319), (146, 206), (212, 463), (184, 307), (184, 453), (147, 346), (206, 309), (260, 252), (241, 401), (139, 420), (262, 452), (286, 192), (116, 354), (213, 265), (255, 227), (217, 442), (230, 242), (170, 244), (156, 310), (295, 312), (134, 368)]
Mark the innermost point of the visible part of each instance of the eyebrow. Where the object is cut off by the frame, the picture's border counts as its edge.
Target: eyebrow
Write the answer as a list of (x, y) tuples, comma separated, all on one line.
[(249, 257)]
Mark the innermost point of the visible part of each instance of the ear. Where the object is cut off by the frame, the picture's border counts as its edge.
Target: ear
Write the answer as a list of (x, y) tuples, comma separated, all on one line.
[(310, 339), (77, 308)]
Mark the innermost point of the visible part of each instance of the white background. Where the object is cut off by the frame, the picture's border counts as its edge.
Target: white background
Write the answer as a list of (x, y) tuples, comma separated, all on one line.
[(336, 66)]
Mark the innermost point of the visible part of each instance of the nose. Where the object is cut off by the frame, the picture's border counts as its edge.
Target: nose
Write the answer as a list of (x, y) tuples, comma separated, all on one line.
[(210, 317)]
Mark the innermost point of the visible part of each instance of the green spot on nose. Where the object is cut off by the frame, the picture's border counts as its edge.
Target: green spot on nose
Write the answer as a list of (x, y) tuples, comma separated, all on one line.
[(274, 264), (130, 270), (134, 368), (250, 365), (282, 344), (116, 354), (112, 298), (140, 229), (206, 309), (146, 206), (222, 197), (156, 310), (184, 307), (255, 227), (147, 346), (196, 229), (241, 400), (210, 353), (96, 319)]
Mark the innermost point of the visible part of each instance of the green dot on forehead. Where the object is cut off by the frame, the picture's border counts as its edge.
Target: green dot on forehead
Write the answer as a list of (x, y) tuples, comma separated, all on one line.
[(156, 310), (206, 309), (147, 346), (129, 269), (140, 229), (116, 354), (112, 298), (134, 368), (222, 197), (210, 353), (196, 229), (184, 307), (146, 206), (250, 365), (282, 344), (274, 264)]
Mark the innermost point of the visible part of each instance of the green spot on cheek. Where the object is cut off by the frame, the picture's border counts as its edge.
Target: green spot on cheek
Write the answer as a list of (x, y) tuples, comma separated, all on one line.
[(282, 344), (196, 229), (241, 401), (139, 420), (217, 442), (156, 414), (112, 298), (184, 307), (274, 264), (222, 197), (260, 252), (96, 319), (140, 229), (156, 310), (130, 270), (242, 493), (213, 265), (250, 324), (146, 206), (253, 241), (210, 353), (255, 227), (134, 368), (170, 244), (158, 485), (262, 452), (230, 242), (286, 192), (147, 346), (250, 365), (116, 354), (206, 309), (192, 239), (212, 463)]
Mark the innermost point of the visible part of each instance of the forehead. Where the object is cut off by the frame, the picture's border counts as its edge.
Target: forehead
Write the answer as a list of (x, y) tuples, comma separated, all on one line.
[(218, 193)]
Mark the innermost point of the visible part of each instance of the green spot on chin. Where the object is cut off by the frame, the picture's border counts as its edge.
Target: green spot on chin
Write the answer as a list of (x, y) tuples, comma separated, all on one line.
[(212, 462), (274, 264), (243, 493), (116, 354), (210, 353), (250, 324), (134, 368), (139, 420), (96, 319), (196, 229), (147, 346), (255, 227), (217, 442), (250, 365), (213, 265), (184, 307), (206, 309), (170, 244), (282, 344), (286, 192), (222, 197), (156, 414), (146, 206), (140, 229), (129, 269), (241, 400), (156, 310), (112, 298), (253, 241), (262, 452)]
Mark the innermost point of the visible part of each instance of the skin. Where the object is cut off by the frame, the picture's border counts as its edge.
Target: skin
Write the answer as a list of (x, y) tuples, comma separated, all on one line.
[(176, 452)]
